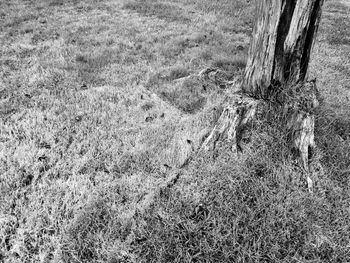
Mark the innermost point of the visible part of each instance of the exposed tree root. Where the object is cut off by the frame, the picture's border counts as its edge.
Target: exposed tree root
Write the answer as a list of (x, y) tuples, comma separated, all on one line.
[(217, 77)]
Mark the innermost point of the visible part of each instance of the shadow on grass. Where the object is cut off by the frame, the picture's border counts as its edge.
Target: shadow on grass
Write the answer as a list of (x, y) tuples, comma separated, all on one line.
[(339, 34), (57, 3), (90, 66), (254, 209), (338, 23), (333, 138), (94, 234), (19, 20), (186, 94), (187, 91), (169, 13)]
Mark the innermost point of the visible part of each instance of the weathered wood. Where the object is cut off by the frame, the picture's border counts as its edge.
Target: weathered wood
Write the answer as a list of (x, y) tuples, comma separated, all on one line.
[(232, 121), (279, 53), (300, 103), (278, 59), (281, 44)]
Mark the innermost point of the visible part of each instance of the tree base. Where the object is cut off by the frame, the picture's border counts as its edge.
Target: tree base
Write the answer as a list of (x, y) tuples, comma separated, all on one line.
[(298, 105), (232, 122)]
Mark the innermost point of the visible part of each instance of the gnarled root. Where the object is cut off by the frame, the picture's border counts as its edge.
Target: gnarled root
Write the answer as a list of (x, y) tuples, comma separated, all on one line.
[(217, 77)]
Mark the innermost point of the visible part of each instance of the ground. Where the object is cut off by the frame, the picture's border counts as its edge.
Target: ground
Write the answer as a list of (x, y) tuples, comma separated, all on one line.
[(97, 118)]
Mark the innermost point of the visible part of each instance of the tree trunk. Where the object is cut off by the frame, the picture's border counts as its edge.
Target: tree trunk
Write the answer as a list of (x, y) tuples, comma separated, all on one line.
[(277, 67), (281, 44)]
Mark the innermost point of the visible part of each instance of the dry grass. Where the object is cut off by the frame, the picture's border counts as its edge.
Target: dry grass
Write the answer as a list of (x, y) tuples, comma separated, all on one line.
[(93, 118), (166, 11), (255, 208)]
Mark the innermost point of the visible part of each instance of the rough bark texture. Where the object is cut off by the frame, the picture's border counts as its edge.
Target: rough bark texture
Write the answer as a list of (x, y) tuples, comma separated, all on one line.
[(301, 121), (278, 59), (232, 121), (281, 44)]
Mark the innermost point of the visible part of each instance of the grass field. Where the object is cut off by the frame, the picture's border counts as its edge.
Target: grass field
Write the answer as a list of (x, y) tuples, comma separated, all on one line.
[(94, 129)]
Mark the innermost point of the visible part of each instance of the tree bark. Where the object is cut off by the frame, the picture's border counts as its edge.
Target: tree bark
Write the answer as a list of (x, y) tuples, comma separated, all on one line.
[(281, 45), (276, 70), (232, 121)]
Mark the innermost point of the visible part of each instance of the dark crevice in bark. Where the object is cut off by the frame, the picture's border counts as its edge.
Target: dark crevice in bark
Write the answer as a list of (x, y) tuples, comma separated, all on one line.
[(275, 78), (315, 15), (282, 59)]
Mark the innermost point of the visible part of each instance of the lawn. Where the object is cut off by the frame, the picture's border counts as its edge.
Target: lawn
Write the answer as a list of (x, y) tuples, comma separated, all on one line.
[(100, 110)]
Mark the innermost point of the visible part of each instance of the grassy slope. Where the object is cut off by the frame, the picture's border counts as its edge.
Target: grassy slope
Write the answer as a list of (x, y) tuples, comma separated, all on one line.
[(91, 121)]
